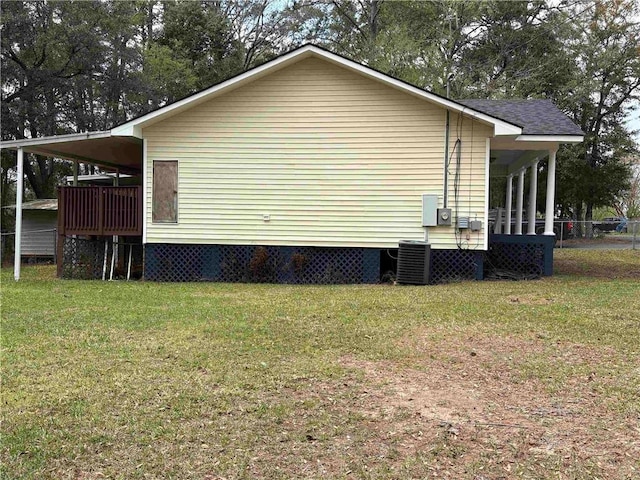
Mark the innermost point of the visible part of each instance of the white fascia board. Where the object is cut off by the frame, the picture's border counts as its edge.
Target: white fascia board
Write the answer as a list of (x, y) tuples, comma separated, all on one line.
[(551, 138), (101, 176), (134, 127), (73, 137)]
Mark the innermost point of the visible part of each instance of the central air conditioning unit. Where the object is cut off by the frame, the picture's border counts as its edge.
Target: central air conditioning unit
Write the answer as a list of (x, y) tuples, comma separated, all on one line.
[(414, 262)]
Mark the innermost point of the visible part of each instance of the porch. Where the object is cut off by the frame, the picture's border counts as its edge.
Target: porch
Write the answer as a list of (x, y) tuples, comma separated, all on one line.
[(97, 211), (100, 211)]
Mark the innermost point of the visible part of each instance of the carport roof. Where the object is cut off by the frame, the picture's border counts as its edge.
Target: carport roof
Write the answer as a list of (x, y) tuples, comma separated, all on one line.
[(123, 153)]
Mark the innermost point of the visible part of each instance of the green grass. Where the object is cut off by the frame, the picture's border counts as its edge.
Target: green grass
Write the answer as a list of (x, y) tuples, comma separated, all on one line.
[(149, 380)]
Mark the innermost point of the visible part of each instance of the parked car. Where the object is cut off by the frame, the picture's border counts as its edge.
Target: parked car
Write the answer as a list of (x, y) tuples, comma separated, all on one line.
[(610, 224)]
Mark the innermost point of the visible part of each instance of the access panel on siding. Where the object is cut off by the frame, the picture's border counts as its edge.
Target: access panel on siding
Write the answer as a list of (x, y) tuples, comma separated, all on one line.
[(165, 191)]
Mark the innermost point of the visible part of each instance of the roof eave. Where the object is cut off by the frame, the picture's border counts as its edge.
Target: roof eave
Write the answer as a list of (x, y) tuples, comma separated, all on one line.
[(551, 138), (39, 141)]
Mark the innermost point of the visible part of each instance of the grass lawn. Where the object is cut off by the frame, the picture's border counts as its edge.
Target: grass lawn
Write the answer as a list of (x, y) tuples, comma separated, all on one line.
[(474, 380)]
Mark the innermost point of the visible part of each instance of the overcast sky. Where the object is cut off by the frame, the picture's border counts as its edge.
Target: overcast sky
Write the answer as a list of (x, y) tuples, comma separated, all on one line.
[(634, 121)]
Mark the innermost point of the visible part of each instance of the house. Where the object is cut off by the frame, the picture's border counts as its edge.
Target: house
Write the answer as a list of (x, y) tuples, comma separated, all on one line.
[(313, 168)]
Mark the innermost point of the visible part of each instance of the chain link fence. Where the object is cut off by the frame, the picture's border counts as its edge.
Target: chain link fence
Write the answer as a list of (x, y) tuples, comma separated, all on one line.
[(621, 234), (37, 245)]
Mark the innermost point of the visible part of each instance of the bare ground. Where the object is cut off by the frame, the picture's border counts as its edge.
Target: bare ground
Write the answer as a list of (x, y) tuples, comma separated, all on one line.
[(460, 409), (466, 404), (606, 264)]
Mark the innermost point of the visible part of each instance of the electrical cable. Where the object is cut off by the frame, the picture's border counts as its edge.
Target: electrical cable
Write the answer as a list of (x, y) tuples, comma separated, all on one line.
[(391, 256), (456, 177)]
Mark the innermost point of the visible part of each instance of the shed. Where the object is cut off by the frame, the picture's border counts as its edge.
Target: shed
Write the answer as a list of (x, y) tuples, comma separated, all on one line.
[(39, 224)]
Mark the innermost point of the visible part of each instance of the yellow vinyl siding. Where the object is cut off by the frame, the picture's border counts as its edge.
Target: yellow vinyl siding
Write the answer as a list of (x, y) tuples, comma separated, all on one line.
[(334, 159)]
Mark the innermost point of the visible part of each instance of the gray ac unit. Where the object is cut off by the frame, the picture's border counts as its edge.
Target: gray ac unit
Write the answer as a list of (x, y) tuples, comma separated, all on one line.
[(414, 262)]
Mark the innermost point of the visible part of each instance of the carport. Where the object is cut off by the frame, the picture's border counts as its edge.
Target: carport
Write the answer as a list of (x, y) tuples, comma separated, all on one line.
[(120, 154)]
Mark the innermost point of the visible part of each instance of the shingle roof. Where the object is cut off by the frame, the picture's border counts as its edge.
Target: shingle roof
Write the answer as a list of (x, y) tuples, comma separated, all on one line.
[(537, 117)]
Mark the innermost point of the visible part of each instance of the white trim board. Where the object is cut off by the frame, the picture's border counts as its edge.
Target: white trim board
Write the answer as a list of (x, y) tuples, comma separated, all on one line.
[(73, 137), (550, 138)]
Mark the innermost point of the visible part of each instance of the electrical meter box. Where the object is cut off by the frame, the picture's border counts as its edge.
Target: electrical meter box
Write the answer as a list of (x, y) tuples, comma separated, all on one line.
[(444, 216), (429, 210)]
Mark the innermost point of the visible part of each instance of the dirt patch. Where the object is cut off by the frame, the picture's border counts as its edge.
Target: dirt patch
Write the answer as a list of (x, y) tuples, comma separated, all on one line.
[(469, 408), (529, 300)]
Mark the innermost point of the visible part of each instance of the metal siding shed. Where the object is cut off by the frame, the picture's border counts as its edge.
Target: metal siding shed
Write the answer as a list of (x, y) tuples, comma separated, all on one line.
[(39, 223)]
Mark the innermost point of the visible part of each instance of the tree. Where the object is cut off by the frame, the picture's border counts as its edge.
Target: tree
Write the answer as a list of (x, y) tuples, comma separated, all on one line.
[(199, 36), (606, 81), (628, 204), (44, 46)]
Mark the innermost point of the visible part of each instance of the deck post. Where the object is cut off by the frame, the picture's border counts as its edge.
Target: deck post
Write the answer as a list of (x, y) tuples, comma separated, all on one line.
[(533, 194), (61, 231), (18, 233), (551, 191), (519, 201), (508, 203), (114, 239)]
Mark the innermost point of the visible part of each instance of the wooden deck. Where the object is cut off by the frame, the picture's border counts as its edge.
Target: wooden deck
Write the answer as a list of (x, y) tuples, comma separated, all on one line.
[(100, 211)]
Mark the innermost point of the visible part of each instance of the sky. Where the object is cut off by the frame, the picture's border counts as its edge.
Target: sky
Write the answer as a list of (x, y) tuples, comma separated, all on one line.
[(633, 121)]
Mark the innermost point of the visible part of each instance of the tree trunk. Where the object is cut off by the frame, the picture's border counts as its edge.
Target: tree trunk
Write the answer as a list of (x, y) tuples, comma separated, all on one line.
[(588, 216), (579, 225)]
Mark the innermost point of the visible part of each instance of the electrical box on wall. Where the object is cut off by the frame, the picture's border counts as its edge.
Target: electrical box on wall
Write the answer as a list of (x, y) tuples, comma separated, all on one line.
[(429, 210), (463, 222), (475, 225), (444, 216)]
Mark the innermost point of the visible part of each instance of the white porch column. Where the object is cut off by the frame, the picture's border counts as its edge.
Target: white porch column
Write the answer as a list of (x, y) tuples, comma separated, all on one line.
[(533, 193), (519, 201), (551, 192), (508, 202), (18, 234)]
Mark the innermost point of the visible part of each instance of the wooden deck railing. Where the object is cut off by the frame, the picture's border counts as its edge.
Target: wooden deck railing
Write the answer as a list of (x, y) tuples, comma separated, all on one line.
[(100, 210)]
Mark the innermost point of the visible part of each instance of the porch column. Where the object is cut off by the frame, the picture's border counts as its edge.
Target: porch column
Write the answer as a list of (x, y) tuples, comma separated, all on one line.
[(519, 201), (508, 202), (533, 193), (18, 234), (551, 191)]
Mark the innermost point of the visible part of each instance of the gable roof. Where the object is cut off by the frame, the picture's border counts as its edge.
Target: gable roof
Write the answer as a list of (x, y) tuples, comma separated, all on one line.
[(537, 117), (119, 148), (134, 127)]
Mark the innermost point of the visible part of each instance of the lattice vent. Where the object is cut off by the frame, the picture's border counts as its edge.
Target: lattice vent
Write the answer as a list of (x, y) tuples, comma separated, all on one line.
[(85, 258), (454, 265), (82, 259), (261, 264), (525, 259)]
